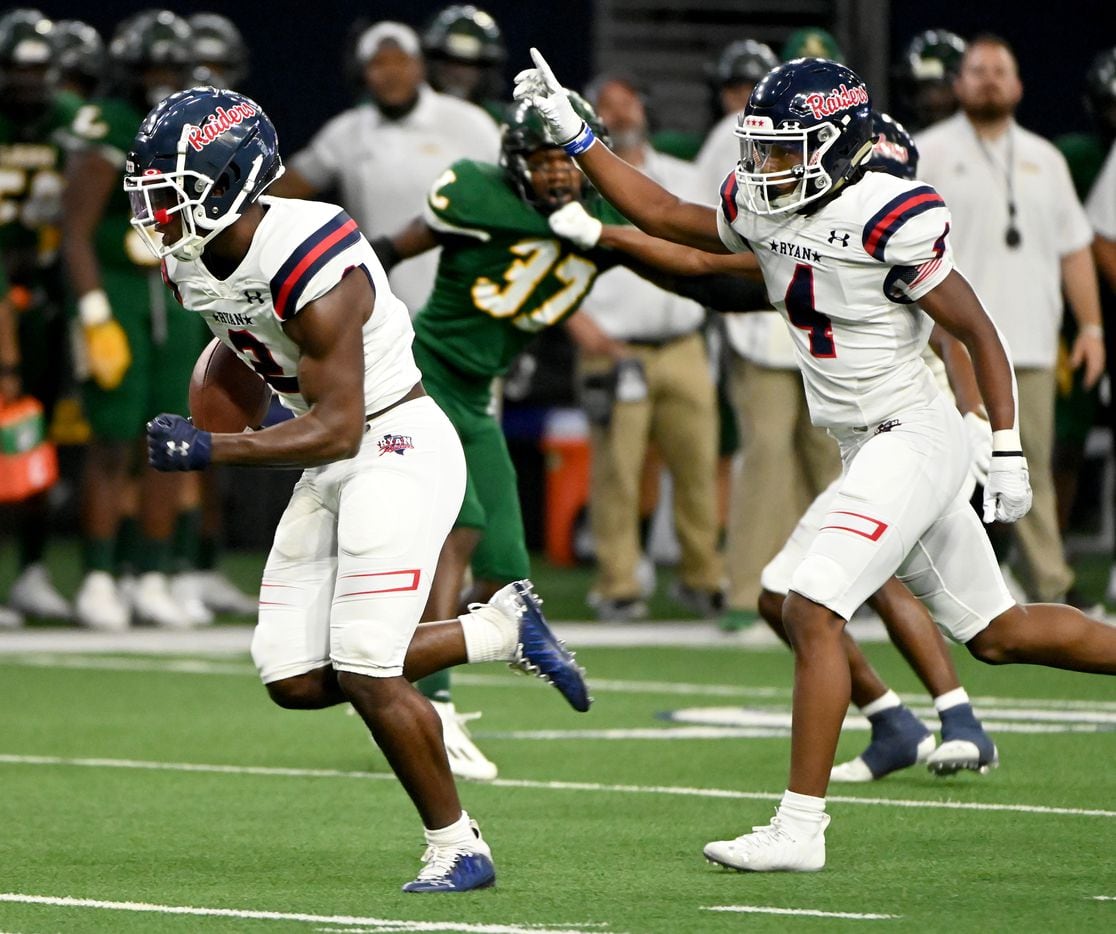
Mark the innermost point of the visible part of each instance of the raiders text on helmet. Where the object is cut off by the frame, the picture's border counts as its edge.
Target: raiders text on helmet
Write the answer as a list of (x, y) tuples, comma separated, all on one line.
[(812, 115), (200, 158)]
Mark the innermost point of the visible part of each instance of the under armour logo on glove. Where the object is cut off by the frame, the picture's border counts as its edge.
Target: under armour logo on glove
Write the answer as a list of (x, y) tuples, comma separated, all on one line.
[(173, 443)]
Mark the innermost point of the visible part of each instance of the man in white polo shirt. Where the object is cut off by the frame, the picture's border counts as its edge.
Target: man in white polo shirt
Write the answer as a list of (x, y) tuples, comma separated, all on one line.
[(1022, 239), (384, 154)]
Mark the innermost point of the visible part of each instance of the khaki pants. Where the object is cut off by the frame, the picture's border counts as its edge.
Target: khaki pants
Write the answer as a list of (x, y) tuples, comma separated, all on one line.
[(680, 415), (784, 463), (1047, 575)]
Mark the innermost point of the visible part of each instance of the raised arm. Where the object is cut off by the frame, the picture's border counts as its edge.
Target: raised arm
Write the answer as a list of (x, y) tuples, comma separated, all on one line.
[(644, 202)]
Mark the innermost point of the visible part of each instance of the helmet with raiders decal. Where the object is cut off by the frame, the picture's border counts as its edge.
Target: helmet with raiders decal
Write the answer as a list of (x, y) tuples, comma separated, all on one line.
[(200, 158), (893, 148), (805, 130)]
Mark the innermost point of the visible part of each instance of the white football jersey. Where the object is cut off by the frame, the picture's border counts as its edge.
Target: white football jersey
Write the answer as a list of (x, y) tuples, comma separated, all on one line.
[(299, 252), (844, 278)]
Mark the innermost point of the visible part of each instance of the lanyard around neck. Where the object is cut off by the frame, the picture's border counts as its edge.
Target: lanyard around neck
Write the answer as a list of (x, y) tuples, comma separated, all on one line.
[(1012, 237)]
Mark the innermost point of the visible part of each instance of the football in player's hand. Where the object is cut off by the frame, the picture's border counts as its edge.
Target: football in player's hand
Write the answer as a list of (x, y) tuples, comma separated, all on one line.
[(226, 395)]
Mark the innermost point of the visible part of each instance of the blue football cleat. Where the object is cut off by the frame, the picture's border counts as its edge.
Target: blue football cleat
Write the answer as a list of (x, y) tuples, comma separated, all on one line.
[(455, 868), (899, 740), (965, 744), (539, 651)]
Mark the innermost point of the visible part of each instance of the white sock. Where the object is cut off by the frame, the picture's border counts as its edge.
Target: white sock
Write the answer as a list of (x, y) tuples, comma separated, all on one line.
[(951, 699), (885, 701), (802, 812), (490, 636), (459, 833)]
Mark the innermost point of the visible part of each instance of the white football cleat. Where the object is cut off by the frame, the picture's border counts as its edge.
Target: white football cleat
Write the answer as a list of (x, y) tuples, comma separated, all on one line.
[(771, 848), (152, 603), (465, 760), (221, 595), (100, 605), (33, 593), (186, 592), (9, 618)]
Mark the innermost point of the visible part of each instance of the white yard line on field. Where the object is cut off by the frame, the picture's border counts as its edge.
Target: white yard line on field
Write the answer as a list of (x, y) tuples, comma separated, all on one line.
[(680, 791), (1092, 709), (802, 912), (383, 924)]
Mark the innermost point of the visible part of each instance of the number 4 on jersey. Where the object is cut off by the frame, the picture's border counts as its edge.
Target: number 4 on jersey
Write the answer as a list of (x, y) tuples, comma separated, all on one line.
[(802, 313)]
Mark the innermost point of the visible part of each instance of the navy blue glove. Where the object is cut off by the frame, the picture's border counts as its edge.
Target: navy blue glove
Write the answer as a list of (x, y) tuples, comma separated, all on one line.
[(173, 443)]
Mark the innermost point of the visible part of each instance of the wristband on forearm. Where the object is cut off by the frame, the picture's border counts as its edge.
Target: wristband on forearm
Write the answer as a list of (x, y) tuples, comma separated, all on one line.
[(581, 142), (1006, 443)]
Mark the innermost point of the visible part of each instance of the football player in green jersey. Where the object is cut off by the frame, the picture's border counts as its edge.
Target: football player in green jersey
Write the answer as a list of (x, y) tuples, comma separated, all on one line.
[(133, 345), (34, 340), (503, 276)]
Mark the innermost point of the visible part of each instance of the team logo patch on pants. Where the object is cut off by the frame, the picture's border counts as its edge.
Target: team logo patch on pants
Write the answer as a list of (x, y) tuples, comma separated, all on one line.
[(395, 444)]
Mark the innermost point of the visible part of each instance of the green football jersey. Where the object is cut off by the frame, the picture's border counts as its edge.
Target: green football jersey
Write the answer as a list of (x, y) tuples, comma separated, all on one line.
[(503, 275), (31, 164), (109, 125)]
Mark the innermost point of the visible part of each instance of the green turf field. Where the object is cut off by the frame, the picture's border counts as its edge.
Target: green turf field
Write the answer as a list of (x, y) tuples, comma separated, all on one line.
[(150, 792)]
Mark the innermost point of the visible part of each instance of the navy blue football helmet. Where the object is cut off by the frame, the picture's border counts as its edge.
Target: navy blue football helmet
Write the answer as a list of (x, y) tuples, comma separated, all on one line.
[(199, 159), (893, 148), (808, 122)]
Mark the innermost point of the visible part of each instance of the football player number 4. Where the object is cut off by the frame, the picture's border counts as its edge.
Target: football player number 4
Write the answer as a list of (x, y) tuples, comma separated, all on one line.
[(802, 313)]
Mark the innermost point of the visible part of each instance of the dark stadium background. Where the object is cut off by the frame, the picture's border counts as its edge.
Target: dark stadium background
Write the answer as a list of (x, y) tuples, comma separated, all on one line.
[(296, 46)]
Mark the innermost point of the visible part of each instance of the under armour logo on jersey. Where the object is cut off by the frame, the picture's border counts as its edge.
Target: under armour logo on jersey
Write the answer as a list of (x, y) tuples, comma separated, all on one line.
[(253, 295), (395, 444), (834, 237)]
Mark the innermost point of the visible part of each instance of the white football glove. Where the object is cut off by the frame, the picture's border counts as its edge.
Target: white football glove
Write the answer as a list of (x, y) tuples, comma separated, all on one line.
[(541, 89), (572, 222), (1007, 493), (980, 446)]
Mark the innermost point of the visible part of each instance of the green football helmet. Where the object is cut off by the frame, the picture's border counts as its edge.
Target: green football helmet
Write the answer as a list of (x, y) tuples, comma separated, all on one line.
[(465, 53), (27, 72), (523, 133), (151, 56)]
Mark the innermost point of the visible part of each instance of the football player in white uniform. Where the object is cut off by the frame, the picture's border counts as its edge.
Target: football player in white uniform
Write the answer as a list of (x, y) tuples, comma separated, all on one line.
[(845, 253), (295, 289)]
